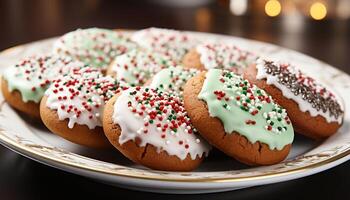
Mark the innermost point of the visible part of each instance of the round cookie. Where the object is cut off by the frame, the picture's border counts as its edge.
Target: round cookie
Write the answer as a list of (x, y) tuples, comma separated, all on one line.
[(151, 128), (73, 105), (238, 118), (23, 84), (138, 66), (172, 43), (172, 79), (218, 55), (314, 110), (95, 47)]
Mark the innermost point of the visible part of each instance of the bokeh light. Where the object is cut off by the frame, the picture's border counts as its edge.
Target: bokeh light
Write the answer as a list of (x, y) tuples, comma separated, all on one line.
[(318, 11), (273, 8)]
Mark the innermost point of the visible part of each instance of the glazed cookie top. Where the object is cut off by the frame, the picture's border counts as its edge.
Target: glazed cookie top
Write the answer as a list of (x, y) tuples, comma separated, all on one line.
[(224, 56), (157, 118), (137, 66), (81, 95), (31, 76), (173, 79), (169, 42), (310, 95), (246, 109), (94, 46)]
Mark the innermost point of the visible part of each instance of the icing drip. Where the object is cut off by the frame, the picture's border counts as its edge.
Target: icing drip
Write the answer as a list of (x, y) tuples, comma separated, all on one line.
[(31, 76), (136, 67), (310, 95), (165, 41), (81, 95), (95, 47), (246, 109), (157, 118), (173, 79), (224, 56)]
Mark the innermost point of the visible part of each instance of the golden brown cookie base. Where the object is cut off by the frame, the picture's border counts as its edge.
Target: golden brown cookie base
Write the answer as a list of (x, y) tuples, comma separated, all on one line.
[(148, 155), (14, 98), (303, 123), (79, 134), (211, 128), (192, 60)]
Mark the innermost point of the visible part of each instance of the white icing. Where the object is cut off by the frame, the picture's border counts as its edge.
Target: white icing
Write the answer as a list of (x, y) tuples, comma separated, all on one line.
[(91, 118), (303, 105), (131, 125), (224, 56), (169, 42)]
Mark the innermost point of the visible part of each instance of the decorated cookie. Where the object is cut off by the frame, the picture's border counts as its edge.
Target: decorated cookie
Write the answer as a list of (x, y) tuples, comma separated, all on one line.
[(138, 66), (238, 118), (173, 79), (73, 105), (165, 41), (314, 110), (152, 128), (23, 84), (94, 46), (212, 55)]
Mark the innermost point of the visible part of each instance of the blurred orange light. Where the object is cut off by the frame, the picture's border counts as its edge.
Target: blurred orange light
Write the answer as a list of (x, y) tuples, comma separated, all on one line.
[(318, 11), (273, 8)]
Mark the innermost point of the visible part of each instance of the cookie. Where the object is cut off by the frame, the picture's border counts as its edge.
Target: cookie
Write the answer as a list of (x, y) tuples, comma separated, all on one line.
[(151, 127), (138, 66), (172, 79), (314, 110), (95, 47), (23, 84), (73, 105), (218, 55), (172, 43), (238, 118)]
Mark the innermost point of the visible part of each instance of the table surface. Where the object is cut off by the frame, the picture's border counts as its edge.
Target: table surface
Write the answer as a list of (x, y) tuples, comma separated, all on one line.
[(25, 21)]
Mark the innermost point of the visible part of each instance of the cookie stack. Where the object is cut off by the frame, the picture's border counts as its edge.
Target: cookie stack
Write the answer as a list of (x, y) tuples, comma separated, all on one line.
[(163, 98)]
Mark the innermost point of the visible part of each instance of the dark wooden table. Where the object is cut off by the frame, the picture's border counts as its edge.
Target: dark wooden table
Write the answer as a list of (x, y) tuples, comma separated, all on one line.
[(24, 21)]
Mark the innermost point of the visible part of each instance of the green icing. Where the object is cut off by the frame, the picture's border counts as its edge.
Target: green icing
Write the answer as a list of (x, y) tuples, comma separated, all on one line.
[(241, 109), (17, 81), (94, 46), (31, 76), (137, 66), (173, 79)]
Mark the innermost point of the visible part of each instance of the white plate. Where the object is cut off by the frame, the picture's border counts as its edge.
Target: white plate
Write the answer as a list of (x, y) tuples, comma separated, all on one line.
[(217, 173)]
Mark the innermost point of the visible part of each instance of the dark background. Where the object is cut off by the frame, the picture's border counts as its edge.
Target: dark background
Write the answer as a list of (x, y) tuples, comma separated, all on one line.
[(23, 21)]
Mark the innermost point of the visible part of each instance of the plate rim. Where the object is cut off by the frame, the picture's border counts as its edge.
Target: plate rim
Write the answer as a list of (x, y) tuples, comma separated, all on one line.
[(46, 159)]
